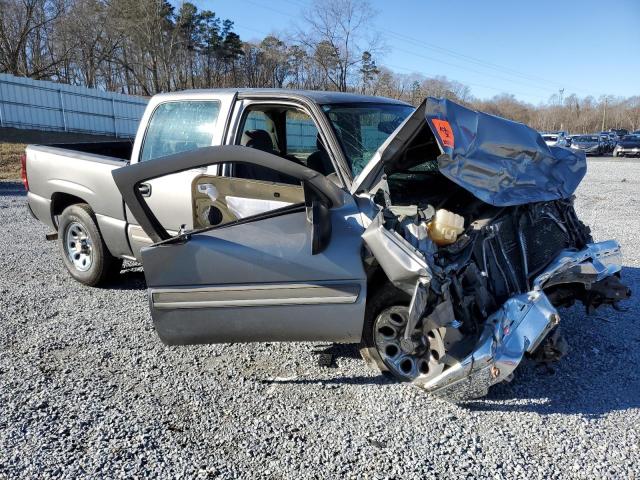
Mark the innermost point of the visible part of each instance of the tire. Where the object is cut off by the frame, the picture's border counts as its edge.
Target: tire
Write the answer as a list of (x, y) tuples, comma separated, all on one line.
[(383, 297), (415, 359), (84, 252)]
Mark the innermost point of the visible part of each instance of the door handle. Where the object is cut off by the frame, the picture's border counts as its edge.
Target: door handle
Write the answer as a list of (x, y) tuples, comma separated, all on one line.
[(144, 189)]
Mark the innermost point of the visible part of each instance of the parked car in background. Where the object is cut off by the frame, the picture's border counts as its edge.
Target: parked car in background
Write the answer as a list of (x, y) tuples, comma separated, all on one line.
[(628, 146), (589, 144), (615, 138), (621, 132), (554, 139), (608, 141)]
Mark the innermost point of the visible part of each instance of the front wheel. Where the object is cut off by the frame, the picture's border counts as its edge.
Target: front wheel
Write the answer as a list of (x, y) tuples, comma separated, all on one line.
[(84, 252), (384, 346)]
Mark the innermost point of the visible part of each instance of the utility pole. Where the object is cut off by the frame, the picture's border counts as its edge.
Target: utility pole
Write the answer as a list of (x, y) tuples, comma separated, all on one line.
[(561, 91), (604, 113)]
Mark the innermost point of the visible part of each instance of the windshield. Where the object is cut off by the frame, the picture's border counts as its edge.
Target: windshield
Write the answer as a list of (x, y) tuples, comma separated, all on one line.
[(362, 127), (550, 138), (585, 139), (631, 138)]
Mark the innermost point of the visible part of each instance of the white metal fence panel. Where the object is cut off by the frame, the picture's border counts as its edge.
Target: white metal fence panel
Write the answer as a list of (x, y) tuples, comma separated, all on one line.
[(43, 105)]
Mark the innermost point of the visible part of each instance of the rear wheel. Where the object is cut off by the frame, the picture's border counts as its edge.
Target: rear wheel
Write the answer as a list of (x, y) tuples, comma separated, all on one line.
[(384, 346), (84, 252)]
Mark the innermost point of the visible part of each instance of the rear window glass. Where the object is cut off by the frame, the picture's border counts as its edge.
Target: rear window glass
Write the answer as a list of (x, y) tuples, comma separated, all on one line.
[(177, 127)]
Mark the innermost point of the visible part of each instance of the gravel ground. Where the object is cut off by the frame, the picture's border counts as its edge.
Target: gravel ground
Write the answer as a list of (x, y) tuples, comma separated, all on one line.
[(87, 389)]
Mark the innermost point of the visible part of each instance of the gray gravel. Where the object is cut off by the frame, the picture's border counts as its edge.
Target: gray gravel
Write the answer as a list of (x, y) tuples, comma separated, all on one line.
[(87, 389)]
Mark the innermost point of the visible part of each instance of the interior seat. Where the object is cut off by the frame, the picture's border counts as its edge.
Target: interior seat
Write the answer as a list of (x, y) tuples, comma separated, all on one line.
[(260, 140), (319, 160)]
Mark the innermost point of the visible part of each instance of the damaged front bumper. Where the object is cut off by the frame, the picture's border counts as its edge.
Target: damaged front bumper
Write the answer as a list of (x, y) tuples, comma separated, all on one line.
[(521, 324)]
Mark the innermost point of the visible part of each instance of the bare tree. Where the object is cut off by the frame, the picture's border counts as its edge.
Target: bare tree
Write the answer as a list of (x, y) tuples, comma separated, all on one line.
[(338, 32), (148, 46), (26, 36)]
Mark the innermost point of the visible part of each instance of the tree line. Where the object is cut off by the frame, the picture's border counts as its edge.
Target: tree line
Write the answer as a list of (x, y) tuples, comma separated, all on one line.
[(144, 47)]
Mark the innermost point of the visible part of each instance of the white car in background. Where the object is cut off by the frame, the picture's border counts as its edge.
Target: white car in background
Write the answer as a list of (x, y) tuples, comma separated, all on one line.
[(554, 140)]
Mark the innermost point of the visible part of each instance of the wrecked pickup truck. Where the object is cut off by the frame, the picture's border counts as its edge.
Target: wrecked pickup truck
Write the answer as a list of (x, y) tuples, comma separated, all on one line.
[(446, 257)]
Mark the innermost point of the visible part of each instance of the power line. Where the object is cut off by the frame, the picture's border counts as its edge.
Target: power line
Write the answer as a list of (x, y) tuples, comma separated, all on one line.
[(546, 89), (426, 57), (482, 63), (473, 84), (410, 70), (549, 90), (477, 61)]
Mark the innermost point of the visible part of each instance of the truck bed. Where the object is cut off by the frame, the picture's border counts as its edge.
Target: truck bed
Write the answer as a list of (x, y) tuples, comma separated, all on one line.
[(116, 149), (81, 173)]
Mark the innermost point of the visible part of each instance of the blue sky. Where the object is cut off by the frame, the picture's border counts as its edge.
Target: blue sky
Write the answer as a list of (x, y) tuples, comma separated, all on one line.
[(531, 49)]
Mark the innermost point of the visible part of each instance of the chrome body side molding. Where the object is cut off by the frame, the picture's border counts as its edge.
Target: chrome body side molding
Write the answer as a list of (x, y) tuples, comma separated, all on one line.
[(254, 296)]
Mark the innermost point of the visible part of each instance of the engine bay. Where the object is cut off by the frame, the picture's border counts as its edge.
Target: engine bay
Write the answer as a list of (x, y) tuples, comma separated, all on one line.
[(463, 289)]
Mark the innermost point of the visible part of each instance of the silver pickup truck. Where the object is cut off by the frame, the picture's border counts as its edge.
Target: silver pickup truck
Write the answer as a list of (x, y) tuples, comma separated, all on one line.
[(70, 187), (442, 239)]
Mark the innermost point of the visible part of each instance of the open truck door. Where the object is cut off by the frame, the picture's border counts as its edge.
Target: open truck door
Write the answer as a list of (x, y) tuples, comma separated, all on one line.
[(286, 270)]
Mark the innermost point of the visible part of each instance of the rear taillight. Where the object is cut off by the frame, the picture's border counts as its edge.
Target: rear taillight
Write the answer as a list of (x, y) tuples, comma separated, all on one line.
[(23, 170)]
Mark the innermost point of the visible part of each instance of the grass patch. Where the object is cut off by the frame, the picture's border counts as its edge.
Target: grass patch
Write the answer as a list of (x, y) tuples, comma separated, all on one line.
[(10, 160)]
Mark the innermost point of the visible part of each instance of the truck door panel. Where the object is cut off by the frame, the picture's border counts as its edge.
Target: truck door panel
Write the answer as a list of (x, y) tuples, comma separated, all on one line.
[(258, 281), (260, 278), (219, 200)]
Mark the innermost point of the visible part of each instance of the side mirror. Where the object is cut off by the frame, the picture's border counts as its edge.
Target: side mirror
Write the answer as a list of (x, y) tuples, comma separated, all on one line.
[(319, 217)]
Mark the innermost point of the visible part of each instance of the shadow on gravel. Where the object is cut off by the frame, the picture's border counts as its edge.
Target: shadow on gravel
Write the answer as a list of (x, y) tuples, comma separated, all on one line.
[(598, 376), (12, 189), (327, 357), (130, 278), (356, 380), (335, 351)]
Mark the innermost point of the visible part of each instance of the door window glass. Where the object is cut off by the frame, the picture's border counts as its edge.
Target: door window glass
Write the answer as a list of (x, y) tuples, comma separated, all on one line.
[(177, 127), (284, 131), (302, 134)]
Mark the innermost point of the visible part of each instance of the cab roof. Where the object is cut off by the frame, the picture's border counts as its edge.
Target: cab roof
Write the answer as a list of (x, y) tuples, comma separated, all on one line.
[(316, 96)]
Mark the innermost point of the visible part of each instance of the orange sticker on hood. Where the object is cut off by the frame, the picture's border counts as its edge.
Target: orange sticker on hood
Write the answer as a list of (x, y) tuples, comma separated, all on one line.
[(444, 132)]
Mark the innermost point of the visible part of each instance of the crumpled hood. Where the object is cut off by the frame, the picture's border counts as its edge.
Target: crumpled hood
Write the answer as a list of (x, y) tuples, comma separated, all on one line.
[(499, 161)]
